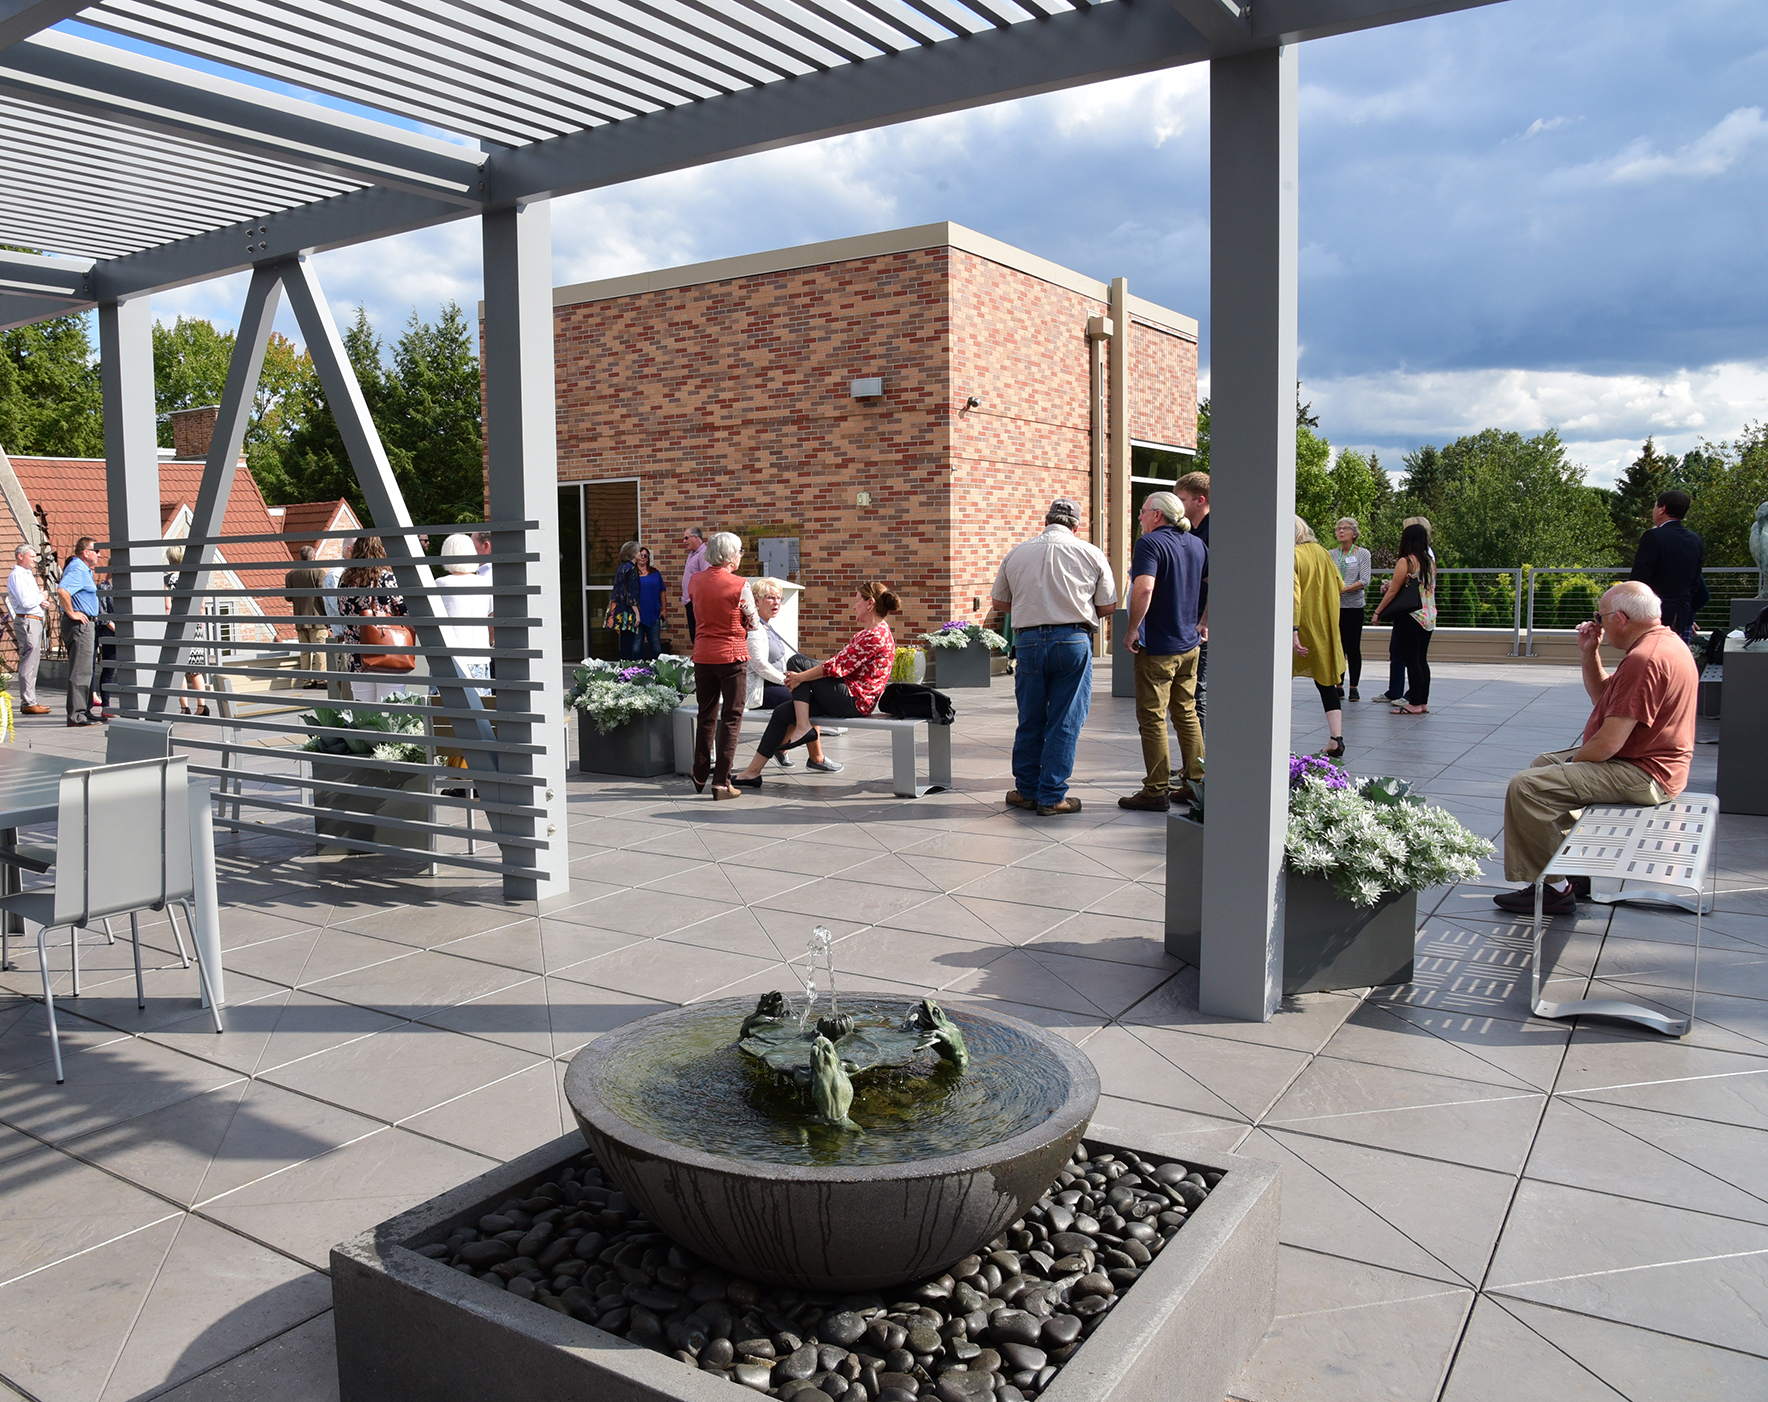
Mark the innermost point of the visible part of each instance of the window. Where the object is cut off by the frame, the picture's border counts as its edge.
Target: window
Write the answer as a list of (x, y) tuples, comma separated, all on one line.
[(1154, 467), (595, 520)]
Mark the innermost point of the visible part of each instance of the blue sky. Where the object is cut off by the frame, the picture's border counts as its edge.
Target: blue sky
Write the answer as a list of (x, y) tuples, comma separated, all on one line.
[(1539, 213)]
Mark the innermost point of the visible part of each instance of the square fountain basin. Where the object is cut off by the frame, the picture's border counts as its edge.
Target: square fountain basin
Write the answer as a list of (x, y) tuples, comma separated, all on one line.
[(411, 1329)]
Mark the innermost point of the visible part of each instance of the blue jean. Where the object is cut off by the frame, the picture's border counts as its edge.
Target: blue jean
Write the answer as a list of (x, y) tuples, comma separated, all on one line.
[(629, 647), (650, 640), (1053, 684)]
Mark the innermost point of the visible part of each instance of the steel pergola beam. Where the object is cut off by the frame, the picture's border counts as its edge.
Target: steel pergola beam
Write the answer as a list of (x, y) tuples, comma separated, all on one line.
[(97, 80), (19, 19), (1225, 23), (36, 276)]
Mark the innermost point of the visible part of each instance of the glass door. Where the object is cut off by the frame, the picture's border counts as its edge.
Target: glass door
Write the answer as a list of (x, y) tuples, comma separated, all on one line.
[(596, 519)]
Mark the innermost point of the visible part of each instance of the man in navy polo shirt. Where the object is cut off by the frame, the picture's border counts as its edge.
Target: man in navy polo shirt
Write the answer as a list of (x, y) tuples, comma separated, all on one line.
[(1166, 576)]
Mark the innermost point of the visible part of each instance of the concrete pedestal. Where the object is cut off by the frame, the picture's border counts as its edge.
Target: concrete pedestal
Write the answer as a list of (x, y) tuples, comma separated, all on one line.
[(1743, 757), (1744, 611)]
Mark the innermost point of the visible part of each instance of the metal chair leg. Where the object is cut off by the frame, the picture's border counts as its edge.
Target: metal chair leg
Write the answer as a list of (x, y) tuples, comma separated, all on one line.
[(110, 935), (135, 939), (183, 953), (49, 999), (74, 948)]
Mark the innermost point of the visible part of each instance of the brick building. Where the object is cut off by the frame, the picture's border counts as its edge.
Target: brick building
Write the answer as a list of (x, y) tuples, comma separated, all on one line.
[(733, 395)]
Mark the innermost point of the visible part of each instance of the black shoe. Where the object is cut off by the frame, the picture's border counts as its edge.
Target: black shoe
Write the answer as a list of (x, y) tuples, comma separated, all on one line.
[(1353, 695), (1523, 902), (79, 720), (745, 783)]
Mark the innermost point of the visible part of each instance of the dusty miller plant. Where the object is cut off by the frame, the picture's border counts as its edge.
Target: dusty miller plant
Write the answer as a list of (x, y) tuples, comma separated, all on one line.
[(959, 633), (612, 694), (1371, 838)]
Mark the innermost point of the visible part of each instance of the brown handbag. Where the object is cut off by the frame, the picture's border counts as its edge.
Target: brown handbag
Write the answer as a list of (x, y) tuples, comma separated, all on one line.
[(385, 635)]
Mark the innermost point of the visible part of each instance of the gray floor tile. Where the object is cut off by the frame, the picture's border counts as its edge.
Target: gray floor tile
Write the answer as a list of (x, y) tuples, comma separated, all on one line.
[(420, 983), (272, 1031), (1013, 922), (1635, 1262), (1644, 1363), (394, 1075), (1060, 981), (1302, 1023), (1600, 1057), (107, 1083), (53, 1207), (308, 1207), (299, 1365), (501, 1121), (1485, 1053), (313, 955), (546, 1017), (1501, 1356), (676, 973), (1026, 884), (1249, 1077)]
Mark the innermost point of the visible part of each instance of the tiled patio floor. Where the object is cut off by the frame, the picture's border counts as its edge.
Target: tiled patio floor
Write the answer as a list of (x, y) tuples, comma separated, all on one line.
[(1477, 1204)]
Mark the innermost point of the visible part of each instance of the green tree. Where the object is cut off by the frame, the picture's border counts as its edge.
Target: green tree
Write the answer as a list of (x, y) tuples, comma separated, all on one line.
[(51, 397), (1313, 475), (1424, 476), (1356, 484), (189, 368), (314, 463), (1629, 506), (434, 419), (1505, 500), (1201, 462), (1735, 483)]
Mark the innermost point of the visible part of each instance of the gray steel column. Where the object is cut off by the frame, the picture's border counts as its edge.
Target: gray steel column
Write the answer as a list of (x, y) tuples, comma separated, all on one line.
[(1253, 248), (522, 464), (131, 476)]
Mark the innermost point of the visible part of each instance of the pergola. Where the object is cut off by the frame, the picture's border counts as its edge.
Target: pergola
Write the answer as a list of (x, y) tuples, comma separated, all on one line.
[(139, 175)]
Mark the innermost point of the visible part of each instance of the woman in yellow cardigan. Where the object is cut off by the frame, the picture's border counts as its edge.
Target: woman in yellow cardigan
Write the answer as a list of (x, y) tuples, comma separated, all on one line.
[(1319, 649)]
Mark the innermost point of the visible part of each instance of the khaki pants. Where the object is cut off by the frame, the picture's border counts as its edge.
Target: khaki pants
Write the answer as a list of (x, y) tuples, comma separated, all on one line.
[(1168, 685), (1545, 801), (310, 634)]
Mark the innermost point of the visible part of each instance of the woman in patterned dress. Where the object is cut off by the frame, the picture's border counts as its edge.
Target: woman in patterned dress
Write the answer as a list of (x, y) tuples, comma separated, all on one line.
[(848, 684), (369, 571)]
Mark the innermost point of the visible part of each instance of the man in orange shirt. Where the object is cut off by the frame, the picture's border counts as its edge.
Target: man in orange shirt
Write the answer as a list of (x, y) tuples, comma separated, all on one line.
[(1637, 743)]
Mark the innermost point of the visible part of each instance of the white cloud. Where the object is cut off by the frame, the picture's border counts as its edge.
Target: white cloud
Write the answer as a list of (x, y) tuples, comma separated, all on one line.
[(1602, 418), (1714, 152), (1546, 124)]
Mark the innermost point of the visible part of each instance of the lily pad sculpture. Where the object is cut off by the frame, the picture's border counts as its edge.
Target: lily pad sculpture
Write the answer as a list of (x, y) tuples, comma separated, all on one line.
[(770, 1007), (830, 1090)]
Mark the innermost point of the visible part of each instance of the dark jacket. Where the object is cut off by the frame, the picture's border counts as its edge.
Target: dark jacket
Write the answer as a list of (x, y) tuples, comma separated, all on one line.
[(1669, 561)]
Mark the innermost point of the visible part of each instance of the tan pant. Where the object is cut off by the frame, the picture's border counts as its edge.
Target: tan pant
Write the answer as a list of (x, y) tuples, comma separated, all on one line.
[(310, 634), (1545, 801), (1168, 685)]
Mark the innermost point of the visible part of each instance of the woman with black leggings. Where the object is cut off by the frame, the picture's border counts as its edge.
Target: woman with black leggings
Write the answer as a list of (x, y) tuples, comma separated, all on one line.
[(1353, 569), (1412, 627)]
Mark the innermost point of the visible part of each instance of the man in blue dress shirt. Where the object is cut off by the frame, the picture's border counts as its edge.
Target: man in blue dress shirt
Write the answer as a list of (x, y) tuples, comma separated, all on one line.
[(78, 595)]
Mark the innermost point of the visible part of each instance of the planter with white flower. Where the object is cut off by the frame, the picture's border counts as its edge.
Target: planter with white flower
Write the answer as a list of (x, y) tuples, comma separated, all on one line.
[(623, 724), (1357, 854), (959, 654), (347, 787)]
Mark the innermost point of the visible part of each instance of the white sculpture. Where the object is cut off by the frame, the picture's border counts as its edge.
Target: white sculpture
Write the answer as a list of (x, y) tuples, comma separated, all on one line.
[(1759, 549)]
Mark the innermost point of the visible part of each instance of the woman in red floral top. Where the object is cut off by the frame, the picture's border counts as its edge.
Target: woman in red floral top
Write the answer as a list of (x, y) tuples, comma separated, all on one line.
[(848, 684)]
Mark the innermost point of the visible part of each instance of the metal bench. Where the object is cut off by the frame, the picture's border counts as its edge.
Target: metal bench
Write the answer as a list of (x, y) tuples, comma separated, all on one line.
[(1661, 855), (902, 745)]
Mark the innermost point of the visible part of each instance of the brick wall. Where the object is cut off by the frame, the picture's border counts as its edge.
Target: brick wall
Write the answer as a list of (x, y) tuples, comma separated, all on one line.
[(729, 402)]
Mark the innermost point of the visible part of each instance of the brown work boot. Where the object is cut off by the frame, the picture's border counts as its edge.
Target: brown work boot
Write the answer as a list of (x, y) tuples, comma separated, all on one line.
[(1070, 804), (1015, 799), (1146, 802)]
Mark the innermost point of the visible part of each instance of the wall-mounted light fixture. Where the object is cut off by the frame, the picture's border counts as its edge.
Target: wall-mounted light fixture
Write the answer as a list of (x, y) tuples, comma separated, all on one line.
[(973, 402), (870, 388)]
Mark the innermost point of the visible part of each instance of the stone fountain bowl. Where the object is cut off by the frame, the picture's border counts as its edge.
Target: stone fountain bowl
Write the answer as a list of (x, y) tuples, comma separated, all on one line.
[(834, 1228)]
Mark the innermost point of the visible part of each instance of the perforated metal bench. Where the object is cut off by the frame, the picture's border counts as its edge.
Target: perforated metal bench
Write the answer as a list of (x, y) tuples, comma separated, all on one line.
[(1660, 855), (902, 745)]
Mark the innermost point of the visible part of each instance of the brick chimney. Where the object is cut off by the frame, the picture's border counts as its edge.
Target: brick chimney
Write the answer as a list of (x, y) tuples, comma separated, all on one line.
[(192, 430)]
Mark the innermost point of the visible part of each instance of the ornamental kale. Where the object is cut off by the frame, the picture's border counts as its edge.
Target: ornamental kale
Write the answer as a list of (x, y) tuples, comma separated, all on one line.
[(613, 694), (959, 633), (375, 727)]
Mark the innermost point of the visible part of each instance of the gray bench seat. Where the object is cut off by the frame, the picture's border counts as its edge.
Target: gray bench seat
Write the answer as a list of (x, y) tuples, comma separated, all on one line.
[(903, 770)]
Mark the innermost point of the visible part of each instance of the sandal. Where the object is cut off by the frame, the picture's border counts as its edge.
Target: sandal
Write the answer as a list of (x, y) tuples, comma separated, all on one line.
[(1410, 711), (1335, 750)]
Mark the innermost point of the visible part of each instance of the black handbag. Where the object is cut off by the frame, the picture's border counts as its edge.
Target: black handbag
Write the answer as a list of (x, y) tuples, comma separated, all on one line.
[(1409, 600)]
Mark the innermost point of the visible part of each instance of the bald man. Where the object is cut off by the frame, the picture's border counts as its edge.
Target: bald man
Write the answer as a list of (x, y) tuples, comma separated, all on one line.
[(1637, 743)]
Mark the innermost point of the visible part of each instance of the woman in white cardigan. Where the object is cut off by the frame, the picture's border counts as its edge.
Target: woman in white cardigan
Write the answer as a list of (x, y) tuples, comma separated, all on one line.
[(769, 654)]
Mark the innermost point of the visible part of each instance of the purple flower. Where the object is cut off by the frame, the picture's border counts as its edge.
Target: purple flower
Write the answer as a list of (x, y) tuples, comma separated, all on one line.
[(1305, 767), (955, 623), (635, 674)]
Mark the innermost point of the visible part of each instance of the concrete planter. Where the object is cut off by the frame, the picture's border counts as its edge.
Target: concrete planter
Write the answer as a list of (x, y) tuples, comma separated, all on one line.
[(1328, 943), (1743, 759), (411, 1329), (370, 806), (640, 749), (955, 668)]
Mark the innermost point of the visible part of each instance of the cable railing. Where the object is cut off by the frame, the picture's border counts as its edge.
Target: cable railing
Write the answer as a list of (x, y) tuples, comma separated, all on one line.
[(1531, 599), (377, 774)]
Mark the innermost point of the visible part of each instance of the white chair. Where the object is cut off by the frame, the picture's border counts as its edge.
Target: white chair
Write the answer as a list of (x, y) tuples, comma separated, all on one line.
[(124, 741), (124, 847)]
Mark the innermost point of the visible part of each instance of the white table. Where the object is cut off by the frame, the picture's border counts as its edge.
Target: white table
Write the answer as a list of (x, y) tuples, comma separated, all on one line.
[(30, 793)]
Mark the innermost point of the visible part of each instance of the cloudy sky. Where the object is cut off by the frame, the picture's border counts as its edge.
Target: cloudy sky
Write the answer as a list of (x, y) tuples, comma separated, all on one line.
[(1543, 213)]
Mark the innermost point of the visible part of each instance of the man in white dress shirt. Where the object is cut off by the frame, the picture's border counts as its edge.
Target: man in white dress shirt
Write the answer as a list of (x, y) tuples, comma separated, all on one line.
[(26, 597)]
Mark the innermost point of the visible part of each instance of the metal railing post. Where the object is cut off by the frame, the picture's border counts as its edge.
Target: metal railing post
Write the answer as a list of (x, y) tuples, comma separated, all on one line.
[(1516, 615), (1529, 570)]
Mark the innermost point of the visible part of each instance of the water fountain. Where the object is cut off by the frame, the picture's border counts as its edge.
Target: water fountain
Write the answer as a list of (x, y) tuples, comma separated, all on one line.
[(866, 1199)]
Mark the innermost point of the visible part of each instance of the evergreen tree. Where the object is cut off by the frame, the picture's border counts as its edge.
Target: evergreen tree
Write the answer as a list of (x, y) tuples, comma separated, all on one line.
[(1630, 504), (314, 463), (433, 417), (51, 396), (1734, 483), (1424, 475), (1201, 462)]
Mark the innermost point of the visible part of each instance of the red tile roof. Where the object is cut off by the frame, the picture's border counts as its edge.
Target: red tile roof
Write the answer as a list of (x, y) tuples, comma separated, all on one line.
[(71, 492), (303, 520)]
